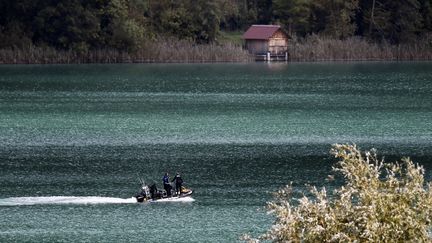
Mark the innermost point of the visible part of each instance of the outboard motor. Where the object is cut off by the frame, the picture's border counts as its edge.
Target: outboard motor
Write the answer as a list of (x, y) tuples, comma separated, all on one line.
[(144, 195), (146, 191)]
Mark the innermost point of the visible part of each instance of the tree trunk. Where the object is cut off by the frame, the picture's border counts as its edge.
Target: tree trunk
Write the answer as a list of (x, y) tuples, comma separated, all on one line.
[(372, 18)]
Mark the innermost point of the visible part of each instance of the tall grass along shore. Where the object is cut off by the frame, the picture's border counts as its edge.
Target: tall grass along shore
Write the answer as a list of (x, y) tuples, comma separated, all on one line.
[(312, 48), (315, 48), (156, 51)]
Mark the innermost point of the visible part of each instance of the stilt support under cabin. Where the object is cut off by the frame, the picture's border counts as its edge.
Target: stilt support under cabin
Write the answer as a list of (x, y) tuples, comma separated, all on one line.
[(270, 57)]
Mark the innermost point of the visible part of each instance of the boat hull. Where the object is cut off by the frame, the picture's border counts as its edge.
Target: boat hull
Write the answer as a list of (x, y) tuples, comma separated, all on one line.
[(184, 197)]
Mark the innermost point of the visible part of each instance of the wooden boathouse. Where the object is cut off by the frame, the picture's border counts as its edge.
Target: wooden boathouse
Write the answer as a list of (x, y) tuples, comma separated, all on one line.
[(267, 42)]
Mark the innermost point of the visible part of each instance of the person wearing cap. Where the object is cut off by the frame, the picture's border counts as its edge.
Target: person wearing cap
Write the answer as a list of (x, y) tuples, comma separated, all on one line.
[(178, 183)]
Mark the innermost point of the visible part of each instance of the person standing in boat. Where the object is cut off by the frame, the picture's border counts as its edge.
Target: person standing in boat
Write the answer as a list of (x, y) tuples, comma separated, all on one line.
[(167, 185), (178, 183)]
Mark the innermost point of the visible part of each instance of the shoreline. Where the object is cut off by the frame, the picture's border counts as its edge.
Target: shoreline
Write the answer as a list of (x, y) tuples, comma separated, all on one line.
[(312, 49), (220, 62)]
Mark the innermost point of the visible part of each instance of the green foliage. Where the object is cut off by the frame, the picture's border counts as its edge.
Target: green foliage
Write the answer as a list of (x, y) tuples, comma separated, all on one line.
[(14, 36), (379, 203), (426, 12), (340, 17), (231, 37), (206, 22), (233, 15), (174, 18), (395, 21), (66, 25), (126, 25), (294, 15), (120, 30)]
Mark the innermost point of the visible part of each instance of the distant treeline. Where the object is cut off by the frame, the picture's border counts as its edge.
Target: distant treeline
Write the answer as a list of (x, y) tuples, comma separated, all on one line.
[(146, 30)]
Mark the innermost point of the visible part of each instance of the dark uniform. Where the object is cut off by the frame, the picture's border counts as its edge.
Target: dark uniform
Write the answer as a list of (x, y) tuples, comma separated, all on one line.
[(167, 185), (178, 182)]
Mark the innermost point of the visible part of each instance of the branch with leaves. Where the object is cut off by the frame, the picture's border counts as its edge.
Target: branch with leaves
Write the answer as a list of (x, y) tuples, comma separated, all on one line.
[(380, 202)]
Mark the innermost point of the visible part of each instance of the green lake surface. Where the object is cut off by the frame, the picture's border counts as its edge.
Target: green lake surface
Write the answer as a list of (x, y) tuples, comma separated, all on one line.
[(74, 139)]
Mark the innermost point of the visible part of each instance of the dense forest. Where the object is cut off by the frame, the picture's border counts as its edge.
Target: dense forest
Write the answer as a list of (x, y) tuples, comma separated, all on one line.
[(132, 26)]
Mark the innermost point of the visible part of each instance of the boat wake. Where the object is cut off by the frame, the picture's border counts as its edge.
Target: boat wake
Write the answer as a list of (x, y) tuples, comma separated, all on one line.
[(18, 201), (55, 200)]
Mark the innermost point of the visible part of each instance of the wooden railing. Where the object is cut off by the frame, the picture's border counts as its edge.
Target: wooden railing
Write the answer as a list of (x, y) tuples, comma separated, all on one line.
[(278, 49)]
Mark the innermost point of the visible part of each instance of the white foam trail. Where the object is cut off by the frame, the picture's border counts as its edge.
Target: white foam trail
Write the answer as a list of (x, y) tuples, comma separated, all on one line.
[(22, 201), (17, 201)]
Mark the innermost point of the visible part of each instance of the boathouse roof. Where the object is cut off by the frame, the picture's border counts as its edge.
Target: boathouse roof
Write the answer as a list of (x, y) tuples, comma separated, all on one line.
[(260, 32)]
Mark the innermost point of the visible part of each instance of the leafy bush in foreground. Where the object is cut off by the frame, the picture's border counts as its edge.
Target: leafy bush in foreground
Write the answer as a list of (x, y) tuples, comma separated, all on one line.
[(379, 203)]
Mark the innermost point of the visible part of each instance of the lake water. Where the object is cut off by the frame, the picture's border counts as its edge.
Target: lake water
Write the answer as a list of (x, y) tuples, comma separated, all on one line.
[(74, 139)]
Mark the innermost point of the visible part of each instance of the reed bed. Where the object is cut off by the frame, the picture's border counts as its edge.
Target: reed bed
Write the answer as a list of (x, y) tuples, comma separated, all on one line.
[(166, 50), (180, 51), (316, 48)]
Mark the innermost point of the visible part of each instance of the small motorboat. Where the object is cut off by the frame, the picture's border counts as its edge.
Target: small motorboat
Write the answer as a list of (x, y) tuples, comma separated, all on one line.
[(152, 194)]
